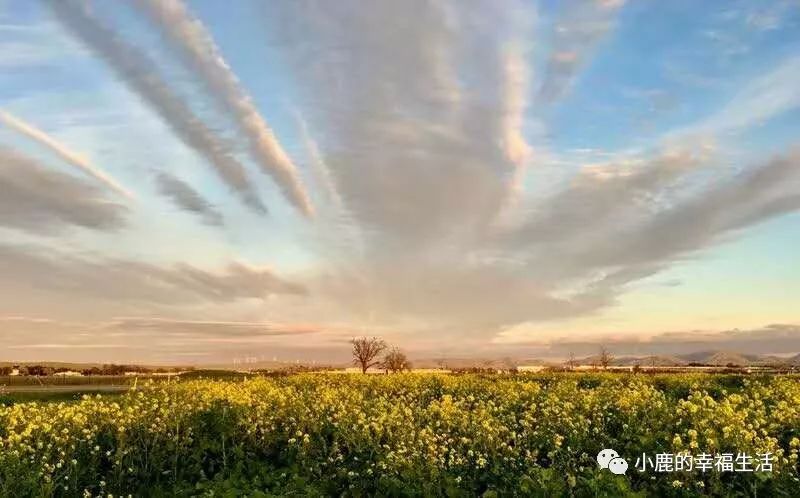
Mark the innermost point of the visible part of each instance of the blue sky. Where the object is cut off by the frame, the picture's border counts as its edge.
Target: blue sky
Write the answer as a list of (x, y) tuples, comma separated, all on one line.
[(203, 181)]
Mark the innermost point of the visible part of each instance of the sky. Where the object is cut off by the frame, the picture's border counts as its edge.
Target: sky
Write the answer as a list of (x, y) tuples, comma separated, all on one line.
[(202, 182)]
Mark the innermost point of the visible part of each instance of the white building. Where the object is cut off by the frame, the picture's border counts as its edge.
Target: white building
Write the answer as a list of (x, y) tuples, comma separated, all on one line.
[(531, 368), (68, 373)]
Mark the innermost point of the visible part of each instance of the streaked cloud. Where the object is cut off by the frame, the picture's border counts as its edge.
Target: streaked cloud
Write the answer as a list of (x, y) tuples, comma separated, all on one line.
[(218, 329), (319, 167), (43, 201), (188, 199), (770, 339), (64, 153), (600, 196), (455, 206), (516, 72), (109, 280), (764, 97), (134, 68), (200, 51), (751, 197), (29, 46), (50, 345), (345, 233), (579, 28), (408, 177)]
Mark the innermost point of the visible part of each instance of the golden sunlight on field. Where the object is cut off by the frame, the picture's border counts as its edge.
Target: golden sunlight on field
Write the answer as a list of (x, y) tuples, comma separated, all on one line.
[(408, 435)]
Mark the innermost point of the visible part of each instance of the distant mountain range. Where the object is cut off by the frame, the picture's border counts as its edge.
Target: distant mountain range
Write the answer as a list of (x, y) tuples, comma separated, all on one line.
[(711, 358)]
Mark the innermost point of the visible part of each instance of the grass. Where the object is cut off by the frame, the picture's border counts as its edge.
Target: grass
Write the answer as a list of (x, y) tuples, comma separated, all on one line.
[(92, 380), (11, 398)]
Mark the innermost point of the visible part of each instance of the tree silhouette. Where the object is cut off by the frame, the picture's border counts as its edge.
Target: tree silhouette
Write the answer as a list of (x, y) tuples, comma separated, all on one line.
[(605, 358), (366, 351), (571, 362), (396, 361)]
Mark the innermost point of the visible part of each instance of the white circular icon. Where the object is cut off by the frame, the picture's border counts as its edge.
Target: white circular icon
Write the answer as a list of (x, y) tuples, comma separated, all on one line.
[(605, 456), (618, 466)]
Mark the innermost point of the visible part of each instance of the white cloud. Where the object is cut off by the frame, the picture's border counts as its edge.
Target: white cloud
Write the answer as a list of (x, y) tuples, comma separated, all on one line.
[(419, 133), (27, 46), (200, 51), (35, 199), (64, 152), (141, 74), (582, 25), (764, 97), (188, 199)]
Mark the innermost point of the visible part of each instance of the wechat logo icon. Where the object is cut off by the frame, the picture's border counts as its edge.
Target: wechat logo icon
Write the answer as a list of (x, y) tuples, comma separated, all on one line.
[(610, 459)]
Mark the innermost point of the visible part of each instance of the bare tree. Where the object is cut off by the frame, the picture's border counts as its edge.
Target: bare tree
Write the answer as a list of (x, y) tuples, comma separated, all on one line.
[(366, 351), (605, 358), (571, 361), (396, 361)]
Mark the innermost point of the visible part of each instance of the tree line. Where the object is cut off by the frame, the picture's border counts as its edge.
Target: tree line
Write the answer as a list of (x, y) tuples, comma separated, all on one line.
[(109, 369)]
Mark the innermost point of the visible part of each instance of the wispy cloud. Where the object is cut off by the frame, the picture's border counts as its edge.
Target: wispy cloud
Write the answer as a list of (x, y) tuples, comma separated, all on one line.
[(210, 328), (130, 281), (42, 201), (768, 190), (136, 70), (50, 345), (200, 51), (64, 152), (415, 157), (338, 211), (425, 183), (319, 167), (516, 87), (600, 196), (419, 134), (584, 246), (39, 45), (188, 199), (766, 96), (26, 319), (580, 28), (770, 339)]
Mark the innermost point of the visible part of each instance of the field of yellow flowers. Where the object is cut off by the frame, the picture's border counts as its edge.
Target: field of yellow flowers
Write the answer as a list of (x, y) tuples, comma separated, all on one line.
[(403, 435)]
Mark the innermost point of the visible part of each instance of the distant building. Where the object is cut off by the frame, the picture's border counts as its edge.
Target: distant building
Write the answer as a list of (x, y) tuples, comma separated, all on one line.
[(14, 370), (531, 368), (68, 373)]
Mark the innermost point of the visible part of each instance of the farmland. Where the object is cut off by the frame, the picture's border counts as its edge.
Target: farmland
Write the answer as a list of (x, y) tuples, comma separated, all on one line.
[(404, 435)]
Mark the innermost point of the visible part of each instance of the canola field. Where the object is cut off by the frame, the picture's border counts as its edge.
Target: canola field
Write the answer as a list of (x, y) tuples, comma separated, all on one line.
[(410, 435)]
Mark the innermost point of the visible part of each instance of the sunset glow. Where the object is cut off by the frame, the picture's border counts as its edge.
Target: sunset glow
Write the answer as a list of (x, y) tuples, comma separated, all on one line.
[(194, 183)]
